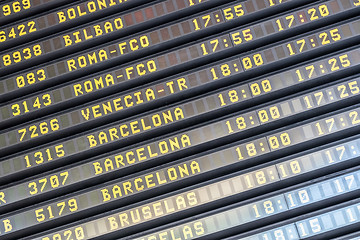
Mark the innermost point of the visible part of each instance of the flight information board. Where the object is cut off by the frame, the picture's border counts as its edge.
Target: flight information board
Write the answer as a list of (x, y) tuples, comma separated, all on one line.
[(179, 119)]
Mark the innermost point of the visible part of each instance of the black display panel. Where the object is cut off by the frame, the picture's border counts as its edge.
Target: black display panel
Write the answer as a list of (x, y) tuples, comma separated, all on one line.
[(169, 116), (179, 119)]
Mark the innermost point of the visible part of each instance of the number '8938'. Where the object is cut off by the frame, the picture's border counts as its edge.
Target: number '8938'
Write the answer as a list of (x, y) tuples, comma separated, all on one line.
[(21, 55)]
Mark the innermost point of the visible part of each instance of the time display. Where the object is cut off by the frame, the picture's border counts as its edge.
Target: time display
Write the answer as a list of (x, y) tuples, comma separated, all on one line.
[(251, 212), (247, 105), (172, 87), (195, 137), (244, 92), (242, 152), (238, 184), (315, 225), (137, 17), (114, 52)]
